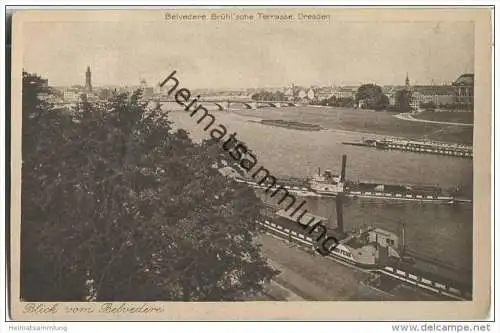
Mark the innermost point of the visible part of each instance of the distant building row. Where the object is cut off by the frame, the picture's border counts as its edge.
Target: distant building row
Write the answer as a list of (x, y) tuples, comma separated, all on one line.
[(460, 94)]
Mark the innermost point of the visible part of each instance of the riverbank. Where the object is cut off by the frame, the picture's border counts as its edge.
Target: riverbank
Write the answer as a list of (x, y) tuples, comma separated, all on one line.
[(380, 123), (446, 117)]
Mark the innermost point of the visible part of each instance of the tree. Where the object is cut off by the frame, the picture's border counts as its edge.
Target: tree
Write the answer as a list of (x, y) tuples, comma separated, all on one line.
[(279, 96), (261, 96), (265, 95), (116, 205), (331, 101), (372, 97), (345, 102), (402, 99)]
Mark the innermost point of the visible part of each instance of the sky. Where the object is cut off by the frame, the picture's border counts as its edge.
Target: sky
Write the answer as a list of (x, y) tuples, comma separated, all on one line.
[(248, 55)]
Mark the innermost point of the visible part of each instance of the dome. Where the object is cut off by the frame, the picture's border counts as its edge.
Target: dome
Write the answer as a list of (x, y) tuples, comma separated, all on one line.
[(465, 80)]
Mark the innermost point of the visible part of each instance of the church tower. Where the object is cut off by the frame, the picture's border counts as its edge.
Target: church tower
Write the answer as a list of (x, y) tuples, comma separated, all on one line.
[(407, 82), (88, 80)]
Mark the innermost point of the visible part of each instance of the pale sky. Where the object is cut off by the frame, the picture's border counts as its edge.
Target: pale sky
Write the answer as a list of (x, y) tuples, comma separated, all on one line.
[(244, 55)]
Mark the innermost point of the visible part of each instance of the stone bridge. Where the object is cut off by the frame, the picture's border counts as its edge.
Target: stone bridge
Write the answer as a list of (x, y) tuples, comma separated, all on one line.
[(225, 105)]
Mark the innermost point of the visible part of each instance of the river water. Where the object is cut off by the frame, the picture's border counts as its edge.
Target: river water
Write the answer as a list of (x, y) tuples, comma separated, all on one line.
[(438, 230)]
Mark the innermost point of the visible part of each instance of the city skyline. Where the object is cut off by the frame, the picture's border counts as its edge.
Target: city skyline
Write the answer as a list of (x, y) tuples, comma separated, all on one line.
[(235, 89), (259, 57)]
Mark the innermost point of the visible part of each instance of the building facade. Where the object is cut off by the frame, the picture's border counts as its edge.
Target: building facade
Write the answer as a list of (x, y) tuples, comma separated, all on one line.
[(310, 94), (302, 94), (344, 92), (71, 96), (147, 91), (437, 95), (464, 91), (323, 93)]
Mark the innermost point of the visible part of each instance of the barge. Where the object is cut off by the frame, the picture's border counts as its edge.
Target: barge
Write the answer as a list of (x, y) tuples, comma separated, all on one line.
[(291, 124), (401, 192), (427, 147)]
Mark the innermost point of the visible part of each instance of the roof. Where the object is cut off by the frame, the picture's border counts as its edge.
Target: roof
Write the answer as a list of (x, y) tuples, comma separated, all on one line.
[(305, 217), (434, 90), (344, 89), (392, 89), (355, 243), (323, 90), (383, 232)]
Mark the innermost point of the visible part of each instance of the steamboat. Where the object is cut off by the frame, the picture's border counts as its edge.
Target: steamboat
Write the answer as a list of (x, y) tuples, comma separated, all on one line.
[(330, 184), (333, 185)]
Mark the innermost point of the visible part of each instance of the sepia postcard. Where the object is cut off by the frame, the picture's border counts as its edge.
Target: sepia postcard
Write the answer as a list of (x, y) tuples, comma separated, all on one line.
[(251, 163)]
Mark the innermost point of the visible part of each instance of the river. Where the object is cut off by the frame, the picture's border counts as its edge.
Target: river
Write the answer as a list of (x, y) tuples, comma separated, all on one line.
[(437, 230)]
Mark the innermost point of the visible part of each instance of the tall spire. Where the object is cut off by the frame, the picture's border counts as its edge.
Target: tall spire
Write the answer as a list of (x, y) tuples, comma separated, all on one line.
[(88, 80), (407, 81)]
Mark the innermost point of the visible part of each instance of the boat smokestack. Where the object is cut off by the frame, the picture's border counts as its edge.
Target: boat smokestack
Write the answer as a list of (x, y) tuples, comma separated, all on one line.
[(340, 213), (402, 245), (342, 172)]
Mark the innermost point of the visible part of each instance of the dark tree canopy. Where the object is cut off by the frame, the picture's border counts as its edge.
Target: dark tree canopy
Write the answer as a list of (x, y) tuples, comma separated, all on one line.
[(372, 97), (403, 98), (269, 96), (344, 102), (116, 205)]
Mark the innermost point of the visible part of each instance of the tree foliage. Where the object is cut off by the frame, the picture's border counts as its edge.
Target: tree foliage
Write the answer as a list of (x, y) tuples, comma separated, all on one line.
[(372, 97), (403, 99), (344, 102), (269, 96), (116, 205)]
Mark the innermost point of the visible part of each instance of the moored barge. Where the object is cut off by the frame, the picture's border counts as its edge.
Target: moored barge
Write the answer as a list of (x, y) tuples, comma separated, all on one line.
[(374, 249), (427, 147)]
